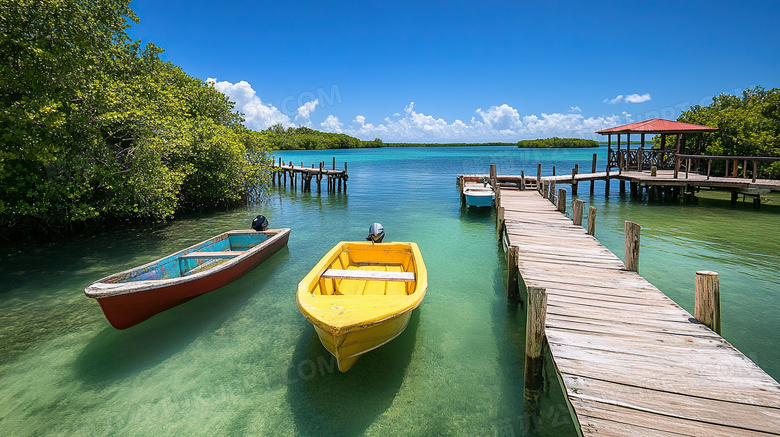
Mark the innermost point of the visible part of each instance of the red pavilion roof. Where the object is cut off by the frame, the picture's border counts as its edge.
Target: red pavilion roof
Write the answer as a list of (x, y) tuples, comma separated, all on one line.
[(657, 126)]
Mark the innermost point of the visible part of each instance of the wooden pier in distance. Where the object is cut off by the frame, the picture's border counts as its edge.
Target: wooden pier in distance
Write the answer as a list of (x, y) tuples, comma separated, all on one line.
[(336, 179), (630, 360)]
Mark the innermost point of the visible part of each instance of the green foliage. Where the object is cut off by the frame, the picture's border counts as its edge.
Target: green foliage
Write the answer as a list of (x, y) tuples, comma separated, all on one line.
[(295, 138), (95, 127), (747, 126), (555, 142)]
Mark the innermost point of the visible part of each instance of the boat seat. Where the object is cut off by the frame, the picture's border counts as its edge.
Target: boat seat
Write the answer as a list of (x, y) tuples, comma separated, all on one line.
[(369, 275), (210, 255)]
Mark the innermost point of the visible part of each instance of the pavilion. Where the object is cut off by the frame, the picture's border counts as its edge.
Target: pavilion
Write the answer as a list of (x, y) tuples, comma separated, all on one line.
[(661, 158)]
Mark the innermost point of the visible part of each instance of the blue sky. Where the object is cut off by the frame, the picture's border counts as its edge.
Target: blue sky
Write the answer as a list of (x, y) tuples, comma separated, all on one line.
[(455, 71)]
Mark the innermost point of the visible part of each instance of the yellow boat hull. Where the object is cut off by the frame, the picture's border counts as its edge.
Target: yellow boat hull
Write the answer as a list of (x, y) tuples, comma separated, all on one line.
[(361, 295)]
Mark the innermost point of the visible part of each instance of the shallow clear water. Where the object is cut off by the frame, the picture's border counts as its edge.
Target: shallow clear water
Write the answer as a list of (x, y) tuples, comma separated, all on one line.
[(242, 360)]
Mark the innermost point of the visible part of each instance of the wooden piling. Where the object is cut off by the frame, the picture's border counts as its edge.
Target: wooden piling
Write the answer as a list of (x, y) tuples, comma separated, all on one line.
[(538, 174), (640, 166), (545, 189), (500, 221), (319, 177), (512, 284), (755, 170), (577, 212), (631, 262), (493, 175), (561, 203), (593, 170), (707, 301), (653, 171), (592, 220), (522, 180), (552, 192), (574, 184), (535, 342)]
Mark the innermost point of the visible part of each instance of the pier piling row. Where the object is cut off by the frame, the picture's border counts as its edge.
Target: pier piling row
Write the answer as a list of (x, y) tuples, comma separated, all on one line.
[(336, 179)]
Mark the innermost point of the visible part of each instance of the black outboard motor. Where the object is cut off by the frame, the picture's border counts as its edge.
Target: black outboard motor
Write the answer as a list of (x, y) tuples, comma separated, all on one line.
[(376, 232), (260, 223)]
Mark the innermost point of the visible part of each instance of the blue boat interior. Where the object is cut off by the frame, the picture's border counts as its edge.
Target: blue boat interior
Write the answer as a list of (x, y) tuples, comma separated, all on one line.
[(176, 265)]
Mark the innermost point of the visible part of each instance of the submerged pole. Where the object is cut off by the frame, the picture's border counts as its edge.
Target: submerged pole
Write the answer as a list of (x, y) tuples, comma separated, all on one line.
[(535, 342)]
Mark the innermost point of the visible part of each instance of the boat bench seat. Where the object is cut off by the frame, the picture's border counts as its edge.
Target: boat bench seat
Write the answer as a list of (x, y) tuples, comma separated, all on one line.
[(369, 275), (208, 255)]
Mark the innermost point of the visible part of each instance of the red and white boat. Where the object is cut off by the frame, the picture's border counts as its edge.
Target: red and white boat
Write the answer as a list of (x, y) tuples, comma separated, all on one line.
[(132, 296)]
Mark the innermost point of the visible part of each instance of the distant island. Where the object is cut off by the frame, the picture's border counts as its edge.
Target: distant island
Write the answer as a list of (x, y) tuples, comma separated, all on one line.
[(446, 144), (555, 142)]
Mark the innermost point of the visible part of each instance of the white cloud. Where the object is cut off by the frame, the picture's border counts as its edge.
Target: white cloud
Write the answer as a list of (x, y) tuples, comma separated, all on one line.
[(636, 98), (332, 124), (304, 112), (258, 115), (631, 98), (497, 123)]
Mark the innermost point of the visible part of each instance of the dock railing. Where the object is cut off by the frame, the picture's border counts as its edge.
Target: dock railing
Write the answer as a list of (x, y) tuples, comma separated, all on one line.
[(640, 159), (689, 162)]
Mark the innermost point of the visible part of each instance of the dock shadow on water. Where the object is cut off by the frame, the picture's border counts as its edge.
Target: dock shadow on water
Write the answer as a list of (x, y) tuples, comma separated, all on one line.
[(116, 354), (325, 401)]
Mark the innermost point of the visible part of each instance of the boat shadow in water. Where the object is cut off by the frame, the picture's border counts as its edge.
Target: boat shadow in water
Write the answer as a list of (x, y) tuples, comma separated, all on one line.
[(115, 354), (325, 401)]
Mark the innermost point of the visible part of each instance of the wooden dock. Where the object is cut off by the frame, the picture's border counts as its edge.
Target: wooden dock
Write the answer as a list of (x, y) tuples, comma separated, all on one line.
[(336, 179), (666, 178), (631, 361)]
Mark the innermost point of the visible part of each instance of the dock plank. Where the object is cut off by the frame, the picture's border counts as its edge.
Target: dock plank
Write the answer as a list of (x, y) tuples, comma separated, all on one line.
[(631, 361)]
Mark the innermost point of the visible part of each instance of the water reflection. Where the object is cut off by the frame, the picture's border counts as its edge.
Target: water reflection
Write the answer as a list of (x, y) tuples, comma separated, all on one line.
[(325, 401)]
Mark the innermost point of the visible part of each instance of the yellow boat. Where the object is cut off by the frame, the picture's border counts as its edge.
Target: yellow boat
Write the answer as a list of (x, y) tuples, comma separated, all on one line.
[(361, 295)]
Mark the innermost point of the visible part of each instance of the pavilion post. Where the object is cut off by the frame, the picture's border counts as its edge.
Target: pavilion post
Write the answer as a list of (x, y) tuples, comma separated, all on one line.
[(628, 151), (619, 156), (662, 158), (698, 148)]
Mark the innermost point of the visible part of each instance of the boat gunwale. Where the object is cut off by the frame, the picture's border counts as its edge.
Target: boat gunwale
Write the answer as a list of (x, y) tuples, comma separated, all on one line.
[(103, 288)]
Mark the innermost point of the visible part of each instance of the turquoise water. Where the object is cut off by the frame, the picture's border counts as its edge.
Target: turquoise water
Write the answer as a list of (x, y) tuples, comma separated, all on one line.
[(242, 360)]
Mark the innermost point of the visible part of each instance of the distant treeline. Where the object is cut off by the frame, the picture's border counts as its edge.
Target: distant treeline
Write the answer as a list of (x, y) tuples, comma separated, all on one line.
[(555, 142), (446, 144), (303, 138)]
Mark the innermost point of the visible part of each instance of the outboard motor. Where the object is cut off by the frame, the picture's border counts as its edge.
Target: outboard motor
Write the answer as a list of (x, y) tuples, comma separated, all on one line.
[(376, 232), (260, 223)]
